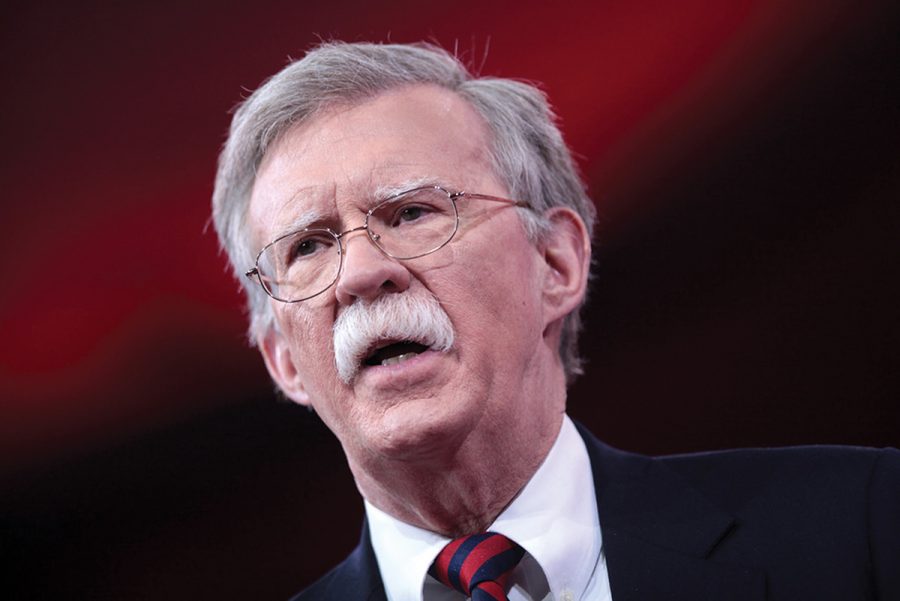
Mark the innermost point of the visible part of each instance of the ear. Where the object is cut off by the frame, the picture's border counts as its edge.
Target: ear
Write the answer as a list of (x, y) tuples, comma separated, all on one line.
[(277, 355), (566, 248)]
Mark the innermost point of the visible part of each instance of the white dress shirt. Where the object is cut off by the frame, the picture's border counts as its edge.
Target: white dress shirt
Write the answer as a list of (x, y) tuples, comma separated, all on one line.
[(554, 518)]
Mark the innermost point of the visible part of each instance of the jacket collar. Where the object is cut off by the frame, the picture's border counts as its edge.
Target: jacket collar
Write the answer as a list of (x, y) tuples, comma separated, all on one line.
[(660, 534), (357, 577)]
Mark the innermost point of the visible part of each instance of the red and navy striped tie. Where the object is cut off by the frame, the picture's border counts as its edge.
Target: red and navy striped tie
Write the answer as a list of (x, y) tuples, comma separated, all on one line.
[(478, 565)]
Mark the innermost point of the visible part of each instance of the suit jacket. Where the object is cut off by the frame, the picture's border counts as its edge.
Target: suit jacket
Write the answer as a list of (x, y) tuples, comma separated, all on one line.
[(794, 524)]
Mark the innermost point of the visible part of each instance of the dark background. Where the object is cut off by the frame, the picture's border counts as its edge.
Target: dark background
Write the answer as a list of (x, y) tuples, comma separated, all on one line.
[(743, 157)]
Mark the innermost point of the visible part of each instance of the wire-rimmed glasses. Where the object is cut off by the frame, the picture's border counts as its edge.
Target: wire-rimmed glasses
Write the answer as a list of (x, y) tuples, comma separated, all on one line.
[(414, 223)]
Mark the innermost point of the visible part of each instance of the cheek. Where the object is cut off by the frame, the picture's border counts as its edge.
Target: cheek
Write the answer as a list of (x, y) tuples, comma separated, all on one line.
[(313, 357), (311, 341), (509, 274), (498, 290)]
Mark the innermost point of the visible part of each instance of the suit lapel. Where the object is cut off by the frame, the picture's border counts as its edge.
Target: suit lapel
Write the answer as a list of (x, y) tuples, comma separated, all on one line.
[(660, 534), (358, 576)]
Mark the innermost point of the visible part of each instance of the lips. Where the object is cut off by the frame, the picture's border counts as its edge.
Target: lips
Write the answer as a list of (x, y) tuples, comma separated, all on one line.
[(392, 353)]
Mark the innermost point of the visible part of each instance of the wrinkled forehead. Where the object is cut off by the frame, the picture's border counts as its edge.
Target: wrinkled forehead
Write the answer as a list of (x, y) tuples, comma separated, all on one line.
[(346, 158)]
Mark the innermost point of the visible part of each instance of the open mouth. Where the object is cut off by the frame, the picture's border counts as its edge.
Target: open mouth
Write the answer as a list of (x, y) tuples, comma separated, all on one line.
[(394, 353)]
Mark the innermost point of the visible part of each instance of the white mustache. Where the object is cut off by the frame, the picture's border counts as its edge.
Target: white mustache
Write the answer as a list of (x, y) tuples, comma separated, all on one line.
[(416, 317)]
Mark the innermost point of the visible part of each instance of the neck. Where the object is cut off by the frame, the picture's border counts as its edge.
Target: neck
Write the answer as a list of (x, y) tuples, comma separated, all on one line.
[(463, 490)]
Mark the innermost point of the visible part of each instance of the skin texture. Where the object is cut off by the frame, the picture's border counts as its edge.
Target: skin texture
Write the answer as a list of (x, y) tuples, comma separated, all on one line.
[(445, 440)]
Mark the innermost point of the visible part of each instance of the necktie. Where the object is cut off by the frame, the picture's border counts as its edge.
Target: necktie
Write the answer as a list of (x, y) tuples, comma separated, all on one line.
[(478, 565)]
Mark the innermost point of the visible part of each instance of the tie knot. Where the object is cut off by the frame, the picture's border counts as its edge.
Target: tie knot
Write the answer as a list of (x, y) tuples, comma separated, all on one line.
[(478, 565)]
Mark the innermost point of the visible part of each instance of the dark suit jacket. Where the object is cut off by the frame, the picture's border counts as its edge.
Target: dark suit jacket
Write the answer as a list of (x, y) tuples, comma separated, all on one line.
[(794, 524)]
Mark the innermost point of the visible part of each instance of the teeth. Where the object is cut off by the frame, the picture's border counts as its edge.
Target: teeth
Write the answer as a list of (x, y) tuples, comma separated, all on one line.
[(398, 358)]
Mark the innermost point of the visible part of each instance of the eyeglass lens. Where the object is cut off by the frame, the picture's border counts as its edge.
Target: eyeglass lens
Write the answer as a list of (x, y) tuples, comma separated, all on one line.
[(409, 225)]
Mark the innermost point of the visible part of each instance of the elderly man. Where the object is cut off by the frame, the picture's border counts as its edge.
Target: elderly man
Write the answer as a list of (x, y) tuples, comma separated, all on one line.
[(415, 248)]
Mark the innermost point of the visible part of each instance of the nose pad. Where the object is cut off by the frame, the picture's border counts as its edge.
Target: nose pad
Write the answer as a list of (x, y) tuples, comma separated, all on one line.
[(367, 272)]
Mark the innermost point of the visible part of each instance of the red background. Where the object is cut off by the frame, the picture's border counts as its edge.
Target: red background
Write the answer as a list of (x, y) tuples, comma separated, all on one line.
[(743, 156)]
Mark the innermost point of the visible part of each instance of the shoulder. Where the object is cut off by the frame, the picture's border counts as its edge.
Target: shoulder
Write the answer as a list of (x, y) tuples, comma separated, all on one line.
[(840, 473), (853, 489), (748, 468), (807, 507), (824, 463)]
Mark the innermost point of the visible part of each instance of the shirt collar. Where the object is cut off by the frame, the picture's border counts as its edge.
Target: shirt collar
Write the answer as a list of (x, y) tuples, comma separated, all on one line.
[(554, 518)]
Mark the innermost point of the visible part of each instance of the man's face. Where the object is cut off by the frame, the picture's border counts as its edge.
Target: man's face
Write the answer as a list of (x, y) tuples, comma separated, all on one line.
[(488, 280)]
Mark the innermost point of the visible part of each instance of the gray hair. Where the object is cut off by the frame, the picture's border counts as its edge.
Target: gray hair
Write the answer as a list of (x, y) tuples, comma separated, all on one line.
[(528, 152)]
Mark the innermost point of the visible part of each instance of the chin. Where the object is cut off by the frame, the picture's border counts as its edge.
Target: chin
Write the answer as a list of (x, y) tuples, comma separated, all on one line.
[(419, 429)]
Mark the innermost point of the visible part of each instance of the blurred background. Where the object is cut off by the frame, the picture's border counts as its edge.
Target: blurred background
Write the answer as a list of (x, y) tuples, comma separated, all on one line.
[(744, 160)]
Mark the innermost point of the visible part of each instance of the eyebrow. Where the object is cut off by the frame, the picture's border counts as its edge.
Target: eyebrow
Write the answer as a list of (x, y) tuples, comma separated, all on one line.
[(300, 222), (386, 191)]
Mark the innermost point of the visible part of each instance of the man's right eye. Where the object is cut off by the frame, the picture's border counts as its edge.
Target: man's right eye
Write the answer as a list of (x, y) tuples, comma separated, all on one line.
[(306, 247)]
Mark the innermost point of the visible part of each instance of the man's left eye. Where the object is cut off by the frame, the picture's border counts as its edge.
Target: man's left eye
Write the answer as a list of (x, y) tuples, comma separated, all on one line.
[(410, 213)]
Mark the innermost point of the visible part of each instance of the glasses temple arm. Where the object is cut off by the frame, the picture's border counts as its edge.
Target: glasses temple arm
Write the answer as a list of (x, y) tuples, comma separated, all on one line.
[(519, 203)]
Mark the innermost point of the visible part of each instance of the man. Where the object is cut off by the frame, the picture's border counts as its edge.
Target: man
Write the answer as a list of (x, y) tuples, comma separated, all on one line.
[(415, 246)]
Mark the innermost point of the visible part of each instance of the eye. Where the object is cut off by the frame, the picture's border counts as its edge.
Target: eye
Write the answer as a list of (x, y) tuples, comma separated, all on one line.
[(410, 213), (416, 209), (306, 246)]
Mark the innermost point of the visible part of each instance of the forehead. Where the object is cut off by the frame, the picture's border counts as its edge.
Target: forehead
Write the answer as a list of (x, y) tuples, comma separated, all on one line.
[(339, 160)]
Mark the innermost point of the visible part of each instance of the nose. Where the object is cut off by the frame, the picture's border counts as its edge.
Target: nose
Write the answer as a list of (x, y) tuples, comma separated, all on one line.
[(367, 272)]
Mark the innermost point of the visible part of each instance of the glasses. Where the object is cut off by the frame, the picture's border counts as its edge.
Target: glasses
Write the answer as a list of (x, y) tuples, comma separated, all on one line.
[(303, 264)]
